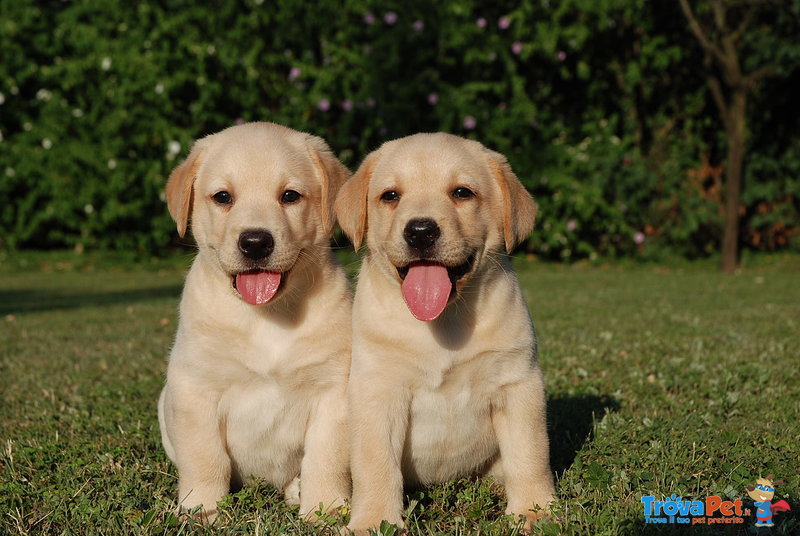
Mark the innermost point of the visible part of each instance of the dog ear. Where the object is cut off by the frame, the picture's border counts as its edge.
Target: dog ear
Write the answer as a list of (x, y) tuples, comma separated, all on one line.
[(351, 203), (770, 477), (778, 483), (180, 188), (750, 488), (333, 175), (519, 208)]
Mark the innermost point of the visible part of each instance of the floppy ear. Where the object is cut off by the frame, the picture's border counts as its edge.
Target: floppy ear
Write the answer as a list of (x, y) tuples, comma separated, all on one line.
[(180, 189), (519, 208), (333, 175), (778, 483), (351, 203)]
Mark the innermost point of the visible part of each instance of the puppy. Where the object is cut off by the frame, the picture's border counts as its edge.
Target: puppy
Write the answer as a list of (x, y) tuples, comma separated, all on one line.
[(444, 379), (256, 381)]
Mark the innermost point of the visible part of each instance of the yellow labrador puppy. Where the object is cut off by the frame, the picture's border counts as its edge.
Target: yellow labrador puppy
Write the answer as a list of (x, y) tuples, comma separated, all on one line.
[(444, 379), (256, 382)]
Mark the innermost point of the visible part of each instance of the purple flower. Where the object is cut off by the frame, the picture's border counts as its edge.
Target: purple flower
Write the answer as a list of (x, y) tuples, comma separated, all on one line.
[(324, 105), (418, 26), (433, 98), (516, 48), (390, 18), (481, 22), (369, 18), (347, 105), (503, 23), (639, 238), (239, 121), (470, 122), (371, 102), (294, 73), (561, 55), (571, 225)]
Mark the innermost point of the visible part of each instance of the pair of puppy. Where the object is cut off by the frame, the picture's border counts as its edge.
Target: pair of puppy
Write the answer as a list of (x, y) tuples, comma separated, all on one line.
[(443, 380)]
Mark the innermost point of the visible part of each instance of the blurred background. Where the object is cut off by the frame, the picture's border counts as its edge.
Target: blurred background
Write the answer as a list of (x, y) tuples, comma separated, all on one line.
[(646, 129)]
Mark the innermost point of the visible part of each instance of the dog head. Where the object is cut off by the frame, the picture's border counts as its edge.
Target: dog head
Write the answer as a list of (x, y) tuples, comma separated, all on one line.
[(259, 197), (433, 208), (764, 490)]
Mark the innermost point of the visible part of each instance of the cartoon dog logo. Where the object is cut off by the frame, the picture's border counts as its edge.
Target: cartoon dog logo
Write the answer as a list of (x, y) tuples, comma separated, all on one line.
[(762, 495)]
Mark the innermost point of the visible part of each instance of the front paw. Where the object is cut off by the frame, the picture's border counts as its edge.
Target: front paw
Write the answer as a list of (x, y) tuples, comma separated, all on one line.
[(200, 505), (531, 517), (332, 514), (199, 514), (362, 527), (291, 493)]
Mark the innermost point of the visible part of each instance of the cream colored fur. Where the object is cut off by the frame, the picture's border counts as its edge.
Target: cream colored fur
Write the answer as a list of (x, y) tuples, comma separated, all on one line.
[(258, 393), (463, 394)]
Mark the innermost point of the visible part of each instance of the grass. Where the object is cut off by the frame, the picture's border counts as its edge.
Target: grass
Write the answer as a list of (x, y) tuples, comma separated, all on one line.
[(661, 381)]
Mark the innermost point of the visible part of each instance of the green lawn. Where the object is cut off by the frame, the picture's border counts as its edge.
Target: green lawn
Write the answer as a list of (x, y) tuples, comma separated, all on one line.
[(661, 381)]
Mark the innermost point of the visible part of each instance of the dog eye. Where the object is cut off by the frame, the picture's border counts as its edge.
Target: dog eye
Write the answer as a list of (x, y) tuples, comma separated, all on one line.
[(290, 196), (463, 193), (223, 198), (390, 196)]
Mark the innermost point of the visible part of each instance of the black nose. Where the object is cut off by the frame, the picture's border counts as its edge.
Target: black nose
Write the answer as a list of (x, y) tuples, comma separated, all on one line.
[(421, 234), (256, 244)]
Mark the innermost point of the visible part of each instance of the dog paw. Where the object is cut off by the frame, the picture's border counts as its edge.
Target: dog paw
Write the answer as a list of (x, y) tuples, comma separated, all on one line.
[(199, 515), (291, 493), (327, 515), (532, 517), (383, 528)]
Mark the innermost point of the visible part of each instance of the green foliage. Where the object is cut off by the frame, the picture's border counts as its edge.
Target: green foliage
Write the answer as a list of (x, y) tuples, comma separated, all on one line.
[(601, 108)]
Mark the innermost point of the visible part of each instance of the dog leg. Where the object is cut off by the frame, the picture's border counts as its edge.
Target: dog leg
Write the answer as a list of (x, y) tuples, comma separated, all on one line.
[(204, 468), (521, 429), (378, 420), (324, 472)]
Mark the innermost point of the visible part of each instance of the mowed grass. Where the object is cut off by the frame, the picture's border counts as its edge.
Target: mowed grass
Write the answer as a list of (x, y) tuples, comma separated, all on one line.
[(661, 381)]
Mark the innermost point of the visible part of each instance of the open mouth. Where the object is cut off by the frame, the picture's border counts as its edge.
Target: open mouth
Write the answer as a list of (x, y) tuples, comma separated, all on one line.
[(454, 273), (428, 286), (258, 287)]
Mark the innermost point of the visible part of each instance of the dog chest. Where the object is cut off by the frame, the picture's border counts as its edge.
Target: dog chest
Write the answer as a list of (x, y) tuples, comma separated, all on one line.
[(449, 434), (239, 352), (264, 426)]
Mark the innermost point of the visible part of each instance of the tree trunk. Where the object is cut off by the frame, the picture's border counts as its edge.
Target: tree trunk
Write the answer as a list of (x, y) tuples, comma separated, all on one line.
[(722, 46), (737, 114)]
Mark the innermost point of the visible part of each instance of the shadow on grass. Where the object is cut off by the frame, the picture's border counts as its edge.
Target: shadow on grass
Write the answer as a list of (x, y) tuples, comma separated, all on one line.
[(33, 300), (571, 420)]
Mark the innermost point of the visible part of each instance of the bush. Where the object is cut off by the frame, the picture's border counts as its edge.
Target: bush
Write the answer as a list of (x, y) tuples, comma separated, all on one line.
[(598, 105)]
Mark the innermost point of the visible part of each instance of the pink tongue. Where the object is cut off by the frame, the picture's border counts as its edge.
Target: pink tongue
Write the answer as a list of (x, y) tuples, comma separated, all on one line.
[(257, 288), (426, 290)]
